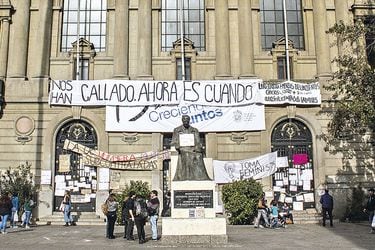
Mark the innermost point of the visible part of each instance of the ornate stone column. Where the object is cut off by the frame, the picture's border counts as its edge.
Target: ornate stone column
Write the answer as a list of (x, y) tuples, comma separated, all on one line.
[(4, 45), (17, 60), (144, 62), (323, 59), (223, 68), (246, 47), (121, 43), (40, 65)]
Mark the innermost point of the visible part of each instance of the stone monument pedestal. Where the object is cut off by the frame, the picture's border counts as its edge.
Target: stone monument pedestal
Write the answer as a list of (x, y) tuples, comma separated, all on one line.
[(193, 218)]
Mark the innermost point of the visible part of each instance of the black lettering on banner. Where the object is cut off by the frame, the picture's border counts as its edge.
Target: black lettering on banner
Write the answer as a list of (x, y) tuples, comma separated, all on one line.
[(190, 91), (250, 168), (228, 93), (64, 85)]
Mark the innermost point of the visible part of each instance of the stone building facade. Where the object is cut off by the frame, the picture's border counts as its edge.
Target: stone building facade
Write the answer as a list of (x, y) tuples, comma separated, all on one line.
[(130, 39)]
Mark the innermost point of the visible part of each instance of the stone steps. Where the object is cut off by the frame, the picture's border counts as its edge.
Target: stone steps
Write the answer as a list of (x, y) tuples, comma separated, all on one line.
[(82, 218), (309, 216)]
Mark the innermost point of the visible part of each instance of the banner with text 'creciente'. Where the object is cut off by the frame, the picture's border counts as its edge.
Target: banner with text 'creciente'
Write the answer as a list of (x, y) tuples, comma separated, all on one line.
[(204, 118)]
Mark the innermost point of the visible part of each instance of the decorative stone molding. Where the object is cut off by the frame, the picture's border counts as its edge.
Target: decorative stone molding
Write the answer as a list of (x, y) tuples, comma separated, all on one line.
[(24, 127)]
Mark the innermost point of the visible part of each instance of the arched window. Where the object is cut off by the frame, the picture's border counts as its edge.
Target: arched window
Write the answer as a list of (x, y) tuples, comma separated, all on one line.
[(92, 23)]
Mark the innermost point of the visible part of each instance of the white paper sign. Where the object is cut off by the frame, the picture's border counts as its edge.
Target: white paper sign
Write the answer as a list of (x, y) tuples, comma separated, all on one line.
[(104, 174), (45, 177), (309, 197), (298, 205), (288, 199), (187, 140), (299, 197)]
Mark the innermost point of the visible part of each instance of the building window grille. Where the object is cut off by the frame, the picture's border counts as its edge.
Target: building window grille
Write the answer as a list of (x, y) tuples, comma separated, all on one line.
[(92, 23), (272, 22), (193, 16)]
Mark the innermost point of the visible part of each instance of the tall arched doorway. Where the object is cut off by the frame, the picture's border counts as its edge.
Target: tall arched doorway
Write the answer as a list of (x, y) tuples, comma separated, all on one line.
[(295, 183), (70, 172)]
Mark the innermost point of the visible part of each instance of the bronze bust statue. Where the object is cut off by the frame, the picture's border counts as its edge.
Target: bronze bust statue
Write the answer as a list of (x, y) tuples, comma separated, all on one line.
[(190, 165)]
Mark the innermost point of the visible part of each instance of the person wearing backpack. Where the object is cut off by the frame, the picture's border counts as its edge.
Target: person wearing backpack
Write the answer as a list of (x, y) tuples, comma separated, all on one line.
[(140, 218), (153, 211)]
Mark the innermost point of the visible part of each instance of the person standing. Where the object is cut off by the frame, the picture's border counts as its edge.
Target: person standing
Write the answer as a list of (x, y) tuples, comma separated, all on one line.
[(153, 211), (370, 207), (128, 215), (111, 215), (15, 207), (327, 206), (67, 204), (140, 208), (262, 212), (166, 212), (28, 207), (5, 209)]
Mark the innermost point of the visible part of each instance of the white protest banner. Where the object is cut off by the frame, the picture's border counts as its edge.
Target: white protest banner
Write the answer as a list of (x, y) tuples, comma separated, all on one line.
[(255, 168), (204, 118), (290, 92), (141, 93)]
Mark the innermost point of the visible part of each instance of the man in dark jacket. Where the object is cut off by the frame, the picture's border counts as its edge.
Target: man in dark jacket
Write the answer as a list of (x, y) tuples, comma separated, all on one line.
[(128, 215), (370, 207), (327, 206)]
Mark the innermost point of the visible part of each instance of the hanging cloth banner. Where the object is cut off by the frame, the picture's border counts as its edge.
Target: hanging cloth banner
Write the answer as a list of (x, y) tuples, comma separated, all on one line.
[(290, 92), (221, 93), (140, 161), (166, 118), (254, 168), (141, 93)]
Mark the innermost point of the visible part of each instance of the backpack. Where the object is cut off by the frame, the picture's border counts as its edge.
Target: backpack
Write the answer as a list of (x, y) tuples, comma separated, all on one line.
[(105, 208), (141, 209)]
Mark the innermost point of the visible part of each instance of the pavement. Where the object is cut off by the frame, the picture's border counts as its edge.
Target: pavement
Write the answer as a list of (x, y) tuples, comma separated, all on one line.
[(308, 236)]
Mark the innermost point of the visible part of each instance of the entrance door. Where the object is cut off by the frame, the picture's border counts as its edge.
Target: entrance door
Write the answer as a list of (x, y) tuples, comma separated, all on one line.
[(293, 139), (70, 172)]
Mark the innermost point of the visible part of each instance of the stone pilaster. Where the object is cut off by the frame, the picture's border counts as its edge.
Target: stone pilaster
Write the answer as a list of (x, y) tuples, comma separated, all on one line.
[(121, 43), (246, 47), (223, 67), (323, 59), (342, 14), (144, 59), (17, 60), (4, 45), (40, 65)]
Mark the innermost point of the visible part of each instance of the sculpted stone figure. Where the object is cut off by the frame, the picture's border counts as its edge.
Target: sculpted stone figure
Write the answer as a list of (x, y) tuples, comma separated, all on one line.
[(190, 165)]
